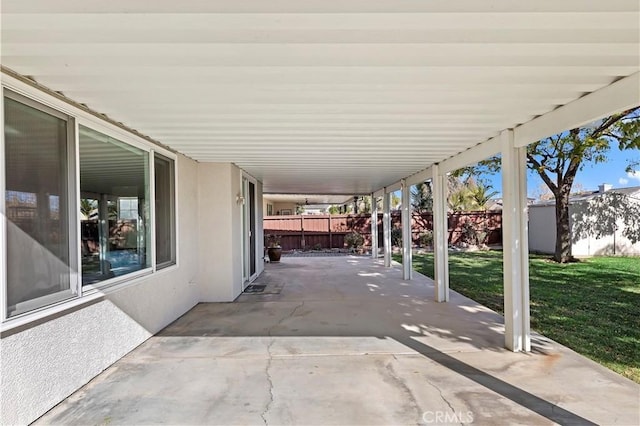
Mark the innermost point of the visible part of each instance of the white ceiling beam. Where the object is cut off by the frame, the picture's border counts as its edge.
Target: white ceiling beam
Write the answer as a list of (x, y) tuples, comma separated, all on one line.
[(402, 52), (199, 109), (379, 193), (344, 124), (323, 57), (619, 96), (463, 90), (396, 186), (309, 36), (57, 74), (420, 177), (574, 19), (315, 6), (472, 155)]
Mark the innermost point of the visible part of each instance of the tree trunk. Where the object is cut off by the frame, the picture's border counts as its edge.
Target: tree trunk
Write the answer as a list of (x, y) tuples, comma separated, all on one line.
[(563, 230)]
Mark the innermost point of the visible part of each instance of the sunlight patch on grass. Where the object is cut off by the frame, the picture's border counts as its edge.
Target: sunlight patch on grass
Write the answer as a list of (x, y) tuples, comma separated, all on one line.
[(591, 306)]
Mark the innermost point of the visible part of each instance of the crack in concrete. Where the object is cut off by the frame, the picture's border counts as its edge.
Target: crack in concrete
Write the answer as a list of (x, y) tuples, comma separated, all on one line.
[(270, 381), (270, 360), (405, 388), (443, 398)]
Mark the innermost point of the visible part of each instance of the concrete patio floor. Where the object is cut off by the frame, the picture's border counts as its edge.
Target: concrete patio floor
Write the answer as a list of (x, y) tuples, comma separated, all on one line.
[(347, 341)]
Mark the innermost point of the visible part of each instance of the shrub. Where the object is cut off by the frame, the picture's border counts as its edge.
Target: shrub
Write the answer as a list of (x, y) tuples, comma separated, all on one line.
[(426, 239), (396, 237), (471, 235), (272, 240), (354, 240)]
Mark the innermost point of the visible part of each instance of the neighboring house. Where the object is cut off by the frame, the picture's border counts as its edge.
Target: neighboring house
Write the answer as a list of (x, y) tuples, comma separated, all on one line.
[(597, 222), (495, 204)]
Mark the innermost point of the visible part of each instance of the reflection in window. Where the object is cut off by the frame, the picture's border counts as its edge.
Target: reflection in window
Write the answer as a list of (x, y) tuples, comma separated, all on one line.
[(36, 198), (128, 208), (114, 208)]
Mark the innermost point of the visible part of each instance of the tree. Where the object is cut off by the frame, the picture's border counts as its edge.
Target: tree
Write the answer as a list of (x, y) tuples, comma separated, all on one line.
[(558, 159), (460, 198), (87, 206), (480, 194), (422, 197), (543, 193), (366, 205), (334, 210), (395, 200)]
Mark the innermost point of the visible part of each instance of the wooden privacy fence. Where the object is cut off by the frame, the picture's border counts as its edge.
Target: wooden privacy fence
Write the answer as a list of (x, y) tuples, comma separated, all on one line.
[(306, 232)]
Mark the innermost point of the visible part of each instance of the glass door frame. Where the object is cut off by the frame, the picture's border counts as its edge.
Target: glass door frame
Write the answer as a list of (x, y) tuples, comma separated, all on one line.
[(249, 228)]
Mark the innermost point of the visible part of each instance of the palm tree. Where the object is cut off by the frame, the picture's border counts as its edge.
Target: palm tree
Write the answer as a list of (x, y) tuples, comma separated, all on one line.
[(481, 194), (87, 206)]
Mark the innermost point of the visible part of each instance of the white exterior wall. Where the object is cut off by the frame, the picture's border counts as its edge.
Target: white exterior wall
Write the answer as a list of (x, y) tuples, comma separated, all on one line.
[(542, 229), (220, 255), (542, 236), (44, 364), (608, 245)]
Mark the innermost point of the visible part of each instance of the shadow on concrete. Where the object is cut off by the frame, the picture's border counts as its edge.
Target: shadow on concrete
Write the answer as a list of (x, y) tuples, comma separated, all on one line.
[(367, 330), (406, 313)]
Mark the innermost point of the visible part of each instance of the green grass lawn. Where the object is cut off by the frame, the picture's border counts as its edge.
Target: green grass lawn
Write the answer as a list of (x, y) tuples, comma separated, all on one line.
[(592, 306)]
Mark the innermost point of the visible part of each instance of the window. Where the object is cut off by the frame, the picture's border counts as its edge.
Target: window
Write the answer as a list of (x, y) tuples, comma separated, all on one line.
[(56, 180), (165, 211), (128, 208), (39, 270), (114, 181), (269, 209)]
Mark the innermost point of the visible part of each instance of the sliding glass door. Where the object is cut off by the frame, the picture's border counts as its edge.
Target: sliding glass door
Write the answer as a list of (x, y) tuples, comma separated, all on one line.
[(249, 230)]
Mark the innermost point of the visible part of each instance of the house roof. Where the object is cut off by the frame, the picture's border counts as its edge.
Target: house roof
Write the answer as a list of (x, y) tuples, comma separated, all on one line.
[(584, 196), (322, 97)]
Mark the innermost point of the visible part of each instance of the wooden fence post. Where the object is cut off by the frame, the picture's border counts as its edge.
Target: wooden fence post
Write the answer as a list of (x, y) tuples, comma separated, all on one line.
[(330, 236)]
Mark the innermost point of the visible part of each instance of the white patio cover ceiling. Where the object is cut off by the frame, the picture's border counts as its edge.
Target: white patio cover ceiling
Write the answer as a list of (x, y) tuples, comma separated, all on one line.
[(318, 96)]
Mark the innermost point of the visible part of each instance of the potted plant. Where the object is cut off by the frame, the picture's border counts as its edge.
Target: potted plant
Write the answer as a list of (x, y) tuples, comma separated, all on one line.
[(274, 250)]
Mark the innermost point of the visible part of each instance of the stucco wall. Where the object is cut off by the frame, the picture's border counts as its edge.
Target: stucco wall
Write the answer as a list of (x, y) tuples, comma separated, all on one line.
[(613, 243), (220, 256), (42, 365), (542, 236), (236, 232), (542, 229)]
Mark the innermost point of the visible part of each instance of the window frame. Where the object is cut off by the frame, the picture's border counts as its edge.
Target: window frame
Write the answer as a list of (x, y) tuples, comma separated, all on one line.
[(75, 116), (89, 288), (174, 211), (74, 290)]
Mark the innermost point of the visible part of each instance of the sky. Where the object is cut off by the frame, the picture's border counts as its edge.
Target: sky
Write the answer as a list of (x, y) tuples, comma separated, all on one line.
[(592, 175)]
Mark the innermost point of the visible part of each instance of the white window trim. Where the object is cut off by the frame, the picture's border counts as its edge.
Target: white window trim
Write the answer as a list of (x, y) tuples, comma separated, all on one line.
[(152, 207), (3, 218), (111, 282), (79, 117), (148, 150), (53, 310), (77, 195), (173, 158)]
